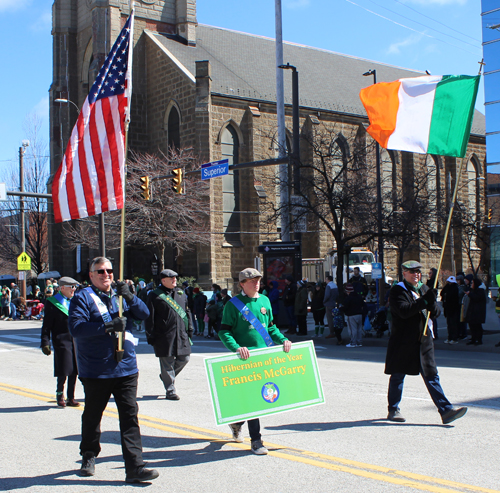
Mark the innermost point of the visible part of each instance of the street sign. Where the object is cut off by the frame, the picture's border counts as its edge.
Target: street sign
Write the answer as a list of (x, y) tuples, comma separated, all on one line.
[(154, 267), (376, 270), (21, 275), (24, 262), (269, 382), (3, 192), (214, 169)]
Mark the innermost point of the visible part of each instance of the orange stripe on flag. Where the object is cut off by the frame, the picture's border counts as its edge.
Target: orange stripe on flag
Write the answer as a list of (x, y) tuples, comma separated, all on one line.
[(381, 103)]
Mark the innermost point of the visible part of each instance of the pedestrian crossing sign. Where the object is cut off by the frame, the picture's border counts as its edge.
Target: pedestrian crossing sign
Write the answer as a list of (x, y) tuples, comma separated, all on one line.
[(24, 262)]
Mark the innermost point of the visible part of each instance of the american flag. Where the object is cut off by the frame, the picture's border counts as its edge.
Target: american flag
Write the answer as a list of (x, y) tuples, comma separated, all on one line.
[(91, 177)]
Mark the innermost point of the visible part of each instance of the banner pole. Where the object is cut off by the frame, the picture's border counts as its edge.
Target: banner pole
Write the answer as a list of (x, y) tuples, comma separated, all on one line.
[(447, 230)]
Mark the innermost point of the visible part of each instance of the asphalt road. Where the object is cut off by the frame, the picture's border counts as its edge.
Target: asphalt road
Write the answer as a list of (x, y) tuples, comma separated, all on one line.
[(345, 445)]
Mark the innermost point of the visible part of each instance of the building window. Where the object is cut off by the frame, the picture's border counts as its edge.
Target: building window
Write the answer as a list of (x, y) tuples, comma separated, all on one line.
[(433, 191), (173, 129), (231, 187), (473, 189), (338, 160)]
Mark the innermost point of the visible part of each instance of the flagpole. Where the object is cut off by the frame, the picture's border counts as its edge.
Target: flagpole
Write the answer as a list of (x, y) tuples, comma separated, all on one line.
[(450, 215), (119, 351)]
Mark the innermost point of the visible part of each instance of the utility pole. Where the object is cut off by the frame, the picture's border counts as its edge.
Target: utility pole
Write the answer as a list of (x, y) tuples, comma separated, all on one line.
[(280, 116), (22, 150)]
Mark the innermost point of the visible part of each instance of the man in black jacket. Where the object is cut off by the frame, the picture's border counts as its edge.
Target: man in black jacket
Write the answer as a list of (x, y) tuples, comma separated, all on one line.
[(169, 329), (451, 307), (411, 348)]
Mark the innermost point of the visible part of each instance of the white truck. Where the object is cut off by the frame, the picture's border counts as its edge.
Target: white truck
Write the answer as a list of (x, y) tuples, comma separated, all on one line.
[(359, 257)]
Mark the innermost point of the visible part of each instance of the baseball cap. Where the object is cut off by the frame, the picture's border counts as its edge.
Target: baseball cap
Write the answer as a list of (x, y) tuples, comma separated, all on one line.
[(451, 279)]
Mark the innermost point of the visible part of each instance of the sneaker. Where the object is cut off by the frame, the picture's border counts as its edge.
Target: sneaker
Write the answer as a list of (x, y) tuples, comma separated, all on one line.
[(453, 414), (359, 345), (237, 432), (141, 475), (453, 342), (88, 464), (351, 345), (447, 341), (258, 447), (396, 416)]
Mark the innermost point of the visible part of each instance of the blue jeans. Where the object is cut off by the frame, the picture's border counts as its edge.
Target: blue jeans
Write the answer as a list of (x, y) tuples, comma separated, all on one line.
[(395, 394)]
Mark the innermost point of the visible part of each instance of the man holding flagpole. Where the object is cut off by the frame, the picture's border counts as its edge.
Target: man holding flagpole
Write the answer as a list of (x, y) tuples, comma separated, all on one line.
[(94, 322)]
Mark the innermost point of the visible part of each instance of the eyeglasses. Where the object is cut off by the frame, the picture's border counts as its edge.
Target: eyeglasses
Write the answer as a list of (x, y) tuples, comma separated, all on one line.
[(414, 271), (73, 287), (104, 271)]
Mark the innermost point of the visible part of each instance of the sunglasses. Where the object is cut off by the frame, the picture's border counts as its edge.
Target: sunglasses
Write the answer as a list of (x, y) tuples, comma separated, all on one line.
[(104, 271), (414, 271)]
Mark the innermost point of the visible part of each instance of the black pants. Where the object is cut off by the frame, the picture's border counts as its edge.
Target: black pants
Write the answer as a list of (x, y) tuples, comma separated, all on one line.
[(302, 321), (97, 394), (71, 385), (476, 332), (253, 428)]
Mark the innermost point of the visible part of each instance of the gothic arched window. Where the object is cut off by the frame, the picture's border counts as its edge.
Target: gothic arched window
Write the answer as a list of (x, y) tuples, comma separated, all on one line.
[(230, 186)]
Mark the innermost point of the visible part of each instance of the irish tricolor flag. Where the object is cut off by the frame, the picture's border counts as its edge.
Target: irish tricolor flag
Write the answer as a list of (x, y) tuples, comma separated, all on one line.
[(430, 114)]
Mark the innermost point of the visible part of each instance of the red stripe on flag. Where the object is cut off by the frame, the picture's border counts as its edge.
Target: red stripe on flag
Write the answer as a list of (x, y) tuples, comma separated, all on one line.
[(55, 195), (97, 154), (70, 186), (113, 150), (84, 172)]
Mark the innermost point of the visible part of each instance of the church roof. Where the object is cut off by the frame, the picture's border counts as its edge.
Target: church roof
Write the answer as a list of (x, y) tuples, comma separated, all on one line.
[(243, 65)]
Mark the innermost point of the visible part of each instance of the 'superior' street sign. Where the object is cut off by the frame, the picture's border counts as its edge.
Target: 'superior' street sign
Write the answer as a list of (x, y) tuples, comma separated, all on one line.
[(214, 169)]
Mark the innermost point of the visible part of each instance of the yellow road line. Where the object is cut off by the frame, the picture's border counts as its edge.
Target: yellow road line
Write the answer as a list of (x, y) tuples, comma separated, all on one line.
[(360, 469)]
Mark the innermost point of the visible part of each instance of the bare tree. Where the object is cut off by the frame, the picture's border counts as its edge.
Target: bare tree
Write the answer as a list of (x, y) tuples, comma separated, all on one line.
[(168, 219), (336, 191), (36, 174)]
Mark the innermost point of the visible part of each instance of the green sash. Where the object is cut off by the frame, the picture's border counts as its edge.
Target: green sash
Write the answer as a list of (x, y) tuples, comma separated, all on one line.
[(58, 304), (175, 306)]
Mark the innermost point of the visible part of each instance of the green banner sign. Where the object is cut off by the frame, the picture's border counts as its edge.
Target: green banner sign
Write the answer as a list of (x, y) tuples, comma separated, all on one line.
[(269, 382)]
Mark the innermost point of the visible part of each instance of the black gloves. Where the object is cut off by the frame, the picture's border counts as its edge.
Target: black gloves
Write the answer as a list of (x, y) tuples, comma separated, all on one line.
[(429, 297), (116, 325), (46, 350), (122, 289)]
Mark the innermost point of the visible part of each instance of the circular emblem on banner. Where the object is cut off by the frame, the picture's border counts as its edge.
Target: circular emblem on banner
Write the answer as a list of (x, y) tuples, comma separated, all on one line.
[(270, 392), (263, 310)]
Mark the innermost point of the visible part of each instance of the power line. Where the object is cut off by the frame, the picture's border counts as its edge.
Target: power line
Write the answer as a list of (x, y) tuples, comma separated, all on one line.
[(410, 28), (424, 25)]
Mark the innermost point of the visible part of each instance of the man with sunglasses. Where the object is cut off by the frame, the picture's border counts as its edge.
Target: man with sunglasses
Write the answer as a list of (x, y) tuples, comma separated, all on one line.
[(410, 351), (94, 321)]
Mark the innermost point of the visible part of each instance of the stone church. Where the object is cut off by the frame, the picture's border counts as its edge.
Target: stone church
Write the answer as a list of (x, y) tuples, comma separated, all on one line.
[(214, 90)]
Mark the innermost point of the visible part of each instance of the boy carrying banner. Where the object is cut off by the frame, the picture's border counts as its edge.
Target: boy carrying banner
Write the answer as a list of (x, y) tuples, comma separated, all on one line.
[(247, 323)]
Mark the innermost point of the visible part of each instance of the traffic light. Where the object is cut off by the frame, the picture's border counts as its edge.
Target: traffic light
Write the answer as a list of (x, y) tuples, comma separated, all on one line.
[(490, 213), (146, 193), (177, 180)]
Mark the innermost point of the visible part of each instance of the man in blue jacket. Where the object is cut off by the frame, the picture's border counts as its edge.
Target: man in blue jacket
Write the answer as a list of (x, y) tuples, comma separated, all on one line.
[(94, 324)]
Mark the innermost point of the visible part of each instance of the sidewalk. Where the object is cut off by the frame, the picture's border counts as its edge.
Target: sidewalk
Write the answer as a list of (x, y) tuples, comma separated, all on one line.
[(491, 335)]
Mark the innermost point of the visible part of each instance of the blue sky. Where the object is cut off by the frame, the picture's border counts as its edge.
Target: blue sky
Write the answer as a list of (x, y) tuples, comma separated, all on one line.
[(441, 36)]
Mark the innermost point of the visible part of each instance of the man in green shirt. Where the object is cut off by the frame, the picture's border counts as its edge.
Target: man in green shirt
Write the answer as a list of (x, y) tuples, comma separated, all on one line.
[(239, 336)]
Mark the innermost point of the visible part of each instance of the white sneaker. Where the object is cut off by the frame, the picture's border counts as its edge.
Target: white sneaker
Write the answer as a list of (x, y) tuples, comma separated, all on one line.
[(258, 448), (447, 341), (453, 342), (359, 345), (351, 345), (237, 432)]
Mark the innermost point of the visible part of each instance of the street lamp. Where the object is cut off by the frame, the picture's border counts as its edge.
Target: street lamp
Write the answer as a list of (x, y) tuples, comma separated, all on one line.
[(60, 100), (379, 200), (295, 161), (22, 150)]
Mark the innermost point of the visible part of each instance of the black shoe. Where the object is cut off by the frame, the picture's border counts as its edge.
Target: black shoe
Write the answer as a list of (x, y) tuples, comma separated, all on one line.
[(172, 397), (141, 475), (396, 416), (88, 464), (453, 414)]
